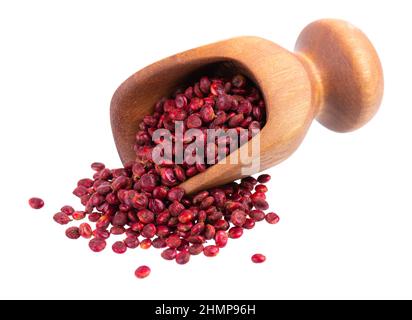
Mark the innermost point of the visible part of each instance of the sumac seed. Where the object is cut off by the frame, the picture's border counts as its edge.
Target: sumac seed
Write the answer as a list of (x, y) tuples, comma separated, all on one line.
[(119, 247), (182, 257), (142, 272), (272, 218), (131, 242), (211, 251), (235, 232), (258, 258), (264, 178), (73, 233), (61, 218), (36, 203), (169, 254), (85, 230), (146, 244)]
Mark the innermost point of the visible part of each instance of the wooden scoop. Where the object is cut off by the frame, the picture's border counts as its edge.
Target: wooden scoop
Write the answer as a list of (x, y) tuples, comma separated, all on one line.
[(334, 76)]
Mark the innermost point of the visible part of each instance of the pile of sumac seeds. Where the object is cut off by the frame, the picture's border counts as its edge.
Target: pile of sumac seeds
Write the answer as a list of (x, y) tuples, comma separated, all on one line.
[(142, 205)]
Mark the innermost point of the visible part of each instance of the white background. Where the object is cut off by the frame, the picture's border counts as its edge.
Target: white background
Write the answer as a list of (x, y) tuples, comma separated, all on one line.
[(344, 199)]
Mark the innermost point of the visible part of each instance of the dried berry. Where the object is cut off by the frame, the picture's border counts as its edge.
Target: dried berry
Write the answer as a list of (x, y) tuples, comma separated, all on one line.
[(264, 178), (182, 257), (258, 258), (73, 233), (211, 251), (169, 254), (97, 244), (142, 272), (221, 238), (61, 218), (119, 247), (131, 242), (85, 230), (36, 203), (272, 218)]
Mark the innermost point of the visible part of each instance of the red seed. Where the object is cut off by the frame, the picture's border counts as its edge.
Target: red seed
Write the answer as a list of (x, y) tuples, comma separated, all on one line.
[(80, 191), (196, 104), (194, 121), (251, 180), (257, 195), (235, 232), (196, 239), (257, 215), (168, 177), (145, 216), (236, 120), (116, 230), (239, 81), (185, 216), (196, 249), (192, 171), (258, 258), (249, 224), (61, 218), (261, 188), (182, 257), (209, 232), (131, 242), (148, 182), (97, 166), (211, 251), (221, 225), (181, 101), (175, 194), (97, 244), (162, 231), (169, 254), (197, 229), (142, 272), (207, 202), (119, 247), (176, 208), (173, 241), (260, 203), (149, 231), (132, 233), (264, 178), (36, 203), (73, 233), (101, 233), (221, 239), (94, 217), (67, 210), (78, 215), (272, 218), (159, 243), (87, 183), (184, 227), (85, 230), (160, 192), (146, 244), (207, 113), (204, 85), (180, 173), (238, 218)]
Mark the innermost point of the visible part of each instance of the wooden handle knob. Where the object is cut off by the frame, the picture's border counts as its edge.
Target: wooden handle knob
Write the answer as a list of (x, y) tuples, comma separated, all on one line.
[(346, 73)]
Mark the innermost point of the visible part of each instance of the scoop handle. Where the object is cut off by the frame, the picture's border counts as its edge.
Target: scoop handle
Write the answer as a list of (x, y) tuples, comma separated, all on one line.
[(346, 73)]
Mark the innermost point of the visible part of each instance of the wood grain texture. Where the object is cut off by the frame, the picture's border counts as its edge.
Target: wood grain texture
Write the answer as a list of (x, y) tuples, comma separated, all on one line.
[(348, 73), (296, 88)]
